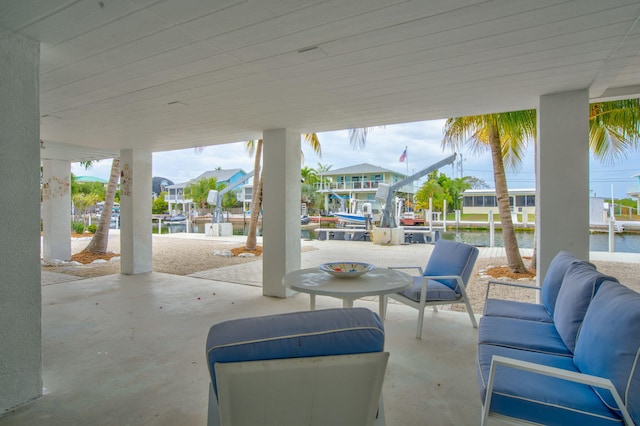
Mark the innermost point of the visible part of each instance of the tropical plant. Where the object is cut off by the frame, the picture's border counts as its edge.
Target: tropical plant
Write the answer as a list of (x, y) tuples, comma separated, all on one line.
[(430, 190), (159, 205), (506, 135), (309, 176), (83, 203), (614, 129), (198, 191), (321, 170)]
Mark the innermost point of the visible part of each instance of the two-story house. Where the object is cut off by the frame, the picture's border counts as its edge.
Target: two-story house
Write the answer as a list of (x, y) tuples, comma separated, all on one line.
[(356, 185), (175, 193)]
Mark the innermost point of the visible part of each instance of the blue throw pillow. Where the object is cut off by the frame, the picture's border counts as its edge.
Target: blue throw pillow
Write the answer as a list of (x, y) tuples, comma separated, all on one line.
[(579, 286), (553, 279), (609, 344)]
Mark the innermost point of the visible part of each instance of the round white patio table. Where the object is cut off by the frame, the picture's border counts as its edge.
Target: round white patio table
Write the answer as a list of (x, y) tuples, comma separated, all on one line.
[(377, 282)]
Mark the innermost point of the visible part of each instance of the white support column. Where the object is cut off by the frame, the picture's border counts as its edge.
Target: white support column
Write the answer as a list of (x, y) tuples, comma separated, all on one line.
[(56, 209), (135, 212), (281, 213), (20, 299), (562, 198)]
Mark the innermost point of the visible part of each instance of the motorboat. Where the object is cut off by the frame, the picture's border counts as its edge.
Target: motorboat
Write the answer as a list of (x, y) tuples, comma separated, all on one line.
[(350, 218), (175, 219)]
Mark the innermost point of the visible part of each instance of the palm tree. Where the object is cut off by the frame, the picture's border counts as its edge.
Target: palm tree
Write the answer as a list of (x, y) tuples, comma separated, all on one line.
[(614, 129), (100, 240), (254, 147), (506, 135)]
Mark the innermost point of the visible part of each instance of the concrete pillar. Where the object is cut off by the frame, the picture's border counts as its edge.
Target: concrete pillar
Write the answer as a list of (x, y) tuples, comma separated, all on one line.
[(20, 300), (56, 209), (562, 178), (281, 208), (135, 212)]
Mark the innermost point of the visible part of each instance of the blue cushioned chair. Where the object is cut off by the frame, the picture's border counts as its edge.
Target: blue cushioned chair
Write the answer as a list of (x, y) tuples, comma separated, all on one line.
[(313, 368), (443, 281)]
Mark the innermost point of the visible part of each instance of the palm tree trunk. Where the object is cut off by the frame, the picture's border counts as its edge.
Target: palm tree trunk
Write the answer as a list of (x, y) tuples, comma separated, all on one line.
[(508, 233), (256, 200), (100, 240)]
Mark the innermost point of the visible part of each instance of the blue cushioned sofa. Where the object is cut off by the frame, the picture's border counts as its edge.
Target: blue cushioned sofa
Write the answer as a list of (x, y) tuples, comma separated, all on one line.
[(571, 359)]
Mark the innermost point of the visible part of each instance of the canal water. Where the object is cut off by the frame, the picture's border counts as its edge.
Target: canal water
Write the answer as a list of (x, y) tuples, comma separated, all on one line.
[(625, 243)]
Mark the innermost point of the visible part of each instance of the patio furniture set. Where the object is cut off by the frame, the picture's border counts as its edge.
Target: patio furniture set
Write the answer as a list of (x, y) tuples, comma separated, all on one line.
[(570, 360)]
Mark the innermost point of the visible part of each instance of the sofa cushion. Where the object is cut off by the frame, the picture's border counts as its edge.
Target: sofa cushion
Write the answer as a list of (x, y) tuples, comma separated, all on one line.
[(521, 334), (435, 291), (515, 309), (609, 343), (553, 279), (451, 258), (579, 286), (537, 398), (294, 335)]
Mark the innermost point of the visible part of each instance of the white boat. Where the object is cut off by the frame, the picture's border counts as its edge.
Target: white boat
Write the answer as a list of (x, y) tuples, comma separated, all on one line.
[(350, 218)]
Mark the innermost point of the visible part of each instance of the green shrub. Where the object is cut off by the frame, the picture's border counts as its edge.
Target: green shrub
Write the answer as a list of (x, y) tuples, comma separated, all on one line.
[(78, 227), (92, 228)]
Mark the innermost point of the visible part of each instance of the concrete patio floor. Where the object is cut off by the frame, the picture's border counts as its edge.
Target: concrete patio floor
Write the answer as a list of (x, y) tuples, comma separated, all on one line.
[(129, 350)]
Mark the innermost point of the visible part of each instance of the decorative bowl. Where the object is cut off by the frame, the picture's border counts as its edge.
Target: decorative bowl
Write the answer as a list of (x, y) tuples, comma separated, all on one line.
[(346, 269)]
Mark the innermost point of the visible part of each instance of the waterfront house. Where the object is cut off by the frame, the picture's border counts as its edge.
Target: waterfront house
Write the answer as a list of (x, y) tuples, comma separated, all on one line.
[(481, 201), (175, 193), (357, 184)]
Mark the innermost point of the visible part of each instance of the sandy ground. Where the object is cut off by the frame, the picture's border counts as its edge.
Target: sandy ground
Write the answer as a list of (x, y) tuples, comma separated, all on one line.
[(186, 256)]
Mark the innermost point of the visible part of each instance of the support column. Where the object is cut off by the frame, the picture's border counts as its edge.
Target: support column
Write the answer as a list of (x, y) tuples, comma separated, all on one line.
[(56, 209), (562, 178), (20, 300), (281, 212), (135, 212)]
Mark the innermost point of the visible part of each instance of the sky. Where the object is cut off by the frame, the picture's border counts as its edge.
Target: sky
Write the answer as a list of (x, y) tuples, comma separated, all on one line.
[(383, 148)]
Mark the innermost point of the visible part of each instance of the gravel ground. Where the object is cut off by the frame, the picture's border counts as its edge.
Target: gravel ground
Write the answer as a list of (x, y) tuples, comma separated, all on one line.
[(186, 256)]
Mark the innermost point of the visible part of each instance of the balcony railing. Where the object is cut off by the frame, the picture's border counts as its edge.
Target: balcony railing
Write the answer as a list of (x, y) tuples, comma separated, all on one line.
[(350, 185)]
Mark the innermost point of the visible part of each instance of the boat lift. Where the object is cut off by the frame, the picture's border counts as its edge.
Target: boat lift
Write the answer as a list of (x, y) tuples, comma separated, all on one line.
[(215, 197), (385, 193)]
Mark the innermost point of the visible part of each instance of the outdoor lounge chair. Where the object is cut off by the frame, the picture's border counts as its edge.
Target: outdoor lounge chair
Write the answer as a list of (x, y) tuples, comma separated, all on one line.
[(443, 281), (321, 367)]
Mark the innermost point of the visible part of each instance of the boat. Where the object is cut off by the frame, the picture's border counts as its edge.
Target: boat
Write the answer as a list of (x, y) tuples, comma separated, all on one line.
[(350, 218), (175, 219)]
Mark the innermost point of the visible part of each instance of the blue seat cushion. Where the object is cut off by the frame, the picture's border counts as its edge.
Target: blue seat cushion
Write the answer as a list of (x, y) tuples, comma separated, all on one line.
[(515, 309), (294, 335), (521, 334), (579, 286), (451, 258), (553, 279), (609, 343), (435, 291), (537, 398)]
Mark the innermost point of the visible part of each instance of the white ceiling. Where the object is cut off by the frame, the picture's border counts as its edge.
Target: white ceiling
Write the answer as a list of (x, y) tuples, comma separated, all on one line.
[(174, 74)]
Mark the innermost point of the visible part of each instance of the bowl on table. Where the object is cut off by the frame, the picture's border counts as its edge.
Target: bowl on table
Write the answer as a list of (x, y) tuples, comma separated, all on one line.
[(346, 269)]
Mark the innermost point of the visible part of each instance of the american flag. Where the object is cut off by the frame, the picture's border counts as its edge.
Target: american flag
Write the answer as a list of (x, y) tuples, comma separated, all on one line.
[(404, 155)]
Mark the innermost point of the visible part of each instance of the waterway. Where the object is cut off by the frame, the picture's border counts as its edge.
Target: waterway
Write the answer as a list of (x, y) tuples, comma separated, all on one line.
[(624, 243)]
